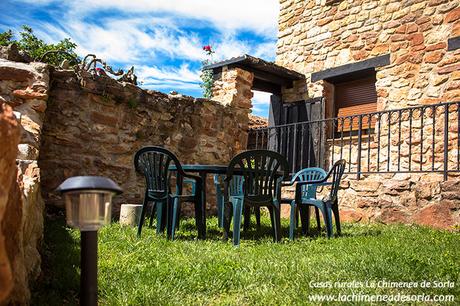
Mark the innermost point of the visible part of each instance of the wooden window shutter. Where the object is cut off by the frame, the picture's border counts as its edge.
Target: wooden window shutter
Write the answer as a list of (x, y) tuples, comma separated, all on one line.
[(354, 98)]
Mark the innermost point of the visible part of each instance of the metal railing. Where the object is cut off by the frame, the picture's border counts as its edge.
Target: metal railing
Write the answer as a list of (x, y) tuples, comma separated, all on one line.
[(418, 139)]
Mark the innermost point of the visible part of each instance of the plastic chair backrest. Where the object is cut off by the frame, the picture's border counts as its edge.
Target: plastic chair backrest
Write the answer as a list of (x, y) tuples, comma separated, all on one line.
[(262, 171), (153, 163), (336, 173), (310, 174)]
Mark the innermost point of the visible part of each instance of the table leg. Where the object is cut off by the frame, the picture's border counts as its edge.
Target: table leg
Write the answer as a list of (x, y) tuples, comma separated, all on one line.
[(203, 176)]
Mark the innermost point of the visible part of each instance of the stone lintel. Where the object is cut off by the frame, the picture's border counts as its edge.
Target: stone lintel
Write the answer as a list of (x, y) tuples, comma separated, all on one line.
[(374, 62)]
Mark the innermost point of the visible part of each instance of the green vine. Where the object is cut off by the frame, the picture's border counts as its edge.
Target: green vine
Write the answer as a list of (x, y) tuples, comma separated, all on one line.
[(207, 74)]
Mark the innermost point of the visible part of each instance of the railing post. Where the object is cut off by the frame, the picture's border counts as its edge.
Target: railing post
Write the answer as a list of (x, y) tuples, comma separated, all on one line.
[(410, 139), (294, 152), (446, 140), (433, 141), (369, 123), (320, 163), (458, 136), (378, 141), (422, 115), (399, 139), (301, 145), (389, 140), (341, 137), (333, 141), (350, 143), (360, 128)]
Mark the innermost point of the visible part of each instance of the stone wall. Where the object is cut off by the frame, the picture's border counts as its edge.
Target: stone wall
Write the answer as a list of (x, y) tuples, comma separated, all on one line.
[(95, 125), (25, 88), (315, 36), (9, 139), (417, 198)]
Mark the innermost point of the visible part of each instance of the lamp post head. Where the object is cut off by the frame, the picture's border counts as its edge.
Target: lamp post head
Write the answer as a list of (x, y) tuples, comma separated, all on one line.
[(88, 201)]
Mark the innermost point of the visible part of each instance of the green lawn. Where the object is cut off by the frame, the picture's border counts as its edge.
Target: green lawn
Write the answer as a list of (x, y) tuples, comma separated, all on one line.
[(152, 270)]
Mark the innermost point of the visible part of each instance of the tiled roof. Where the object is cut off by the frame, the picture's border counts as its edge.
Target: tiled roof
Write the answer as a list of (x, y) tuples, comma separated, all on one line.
[(257, 122)]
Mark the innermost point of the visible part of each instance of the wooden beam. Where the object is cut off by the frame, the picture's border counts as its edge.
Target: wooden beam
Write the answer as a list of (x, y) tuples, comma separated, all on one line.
[(267, 77), (261, 85), (247, 62), (226, 62)]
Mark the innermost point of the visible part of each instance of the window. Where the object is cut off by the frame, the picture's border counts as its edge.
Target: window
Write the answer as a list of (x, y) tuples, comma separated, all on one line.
[(355, 97)]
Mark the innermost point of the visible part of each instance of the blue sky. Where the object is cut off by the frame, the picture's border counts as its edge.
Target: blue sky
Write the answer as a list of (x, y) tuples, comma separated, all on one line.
[(163, 39)]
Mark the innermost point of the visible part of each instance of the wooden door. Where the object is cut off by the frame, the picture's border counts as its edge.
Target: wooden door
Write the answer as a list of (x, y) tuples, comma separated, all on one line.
[(301, 144)]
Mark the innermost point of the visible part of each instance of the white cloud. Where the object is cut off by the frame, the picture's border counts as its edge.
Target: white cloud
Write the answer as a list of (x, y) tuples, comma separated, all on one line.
[(266, 50), (261, 98), (228, 46), (171, 86), (260, 103), (144, 29), (259, 16), (133, 41), (169, 77), (188, 47), (111, 42), (155, 35), (183, 73), (129, 41), (38, 2)]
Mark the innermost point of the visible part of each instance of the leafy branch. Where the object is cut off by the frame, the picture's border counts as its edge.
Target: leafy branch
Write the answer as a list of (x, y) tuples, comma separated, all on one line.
[(37, 48)]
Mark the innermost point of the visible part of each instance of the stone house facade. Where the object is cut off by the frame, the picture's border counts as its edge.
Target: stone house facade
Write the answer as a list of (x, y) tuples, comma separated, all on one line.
[(378, 55), (377, 83), (415, 40)]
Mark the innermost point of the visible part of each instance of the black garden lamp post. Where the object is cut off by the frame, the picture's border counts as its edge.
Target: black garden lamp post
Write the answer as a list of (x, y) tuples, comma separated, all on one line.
[(88, 205)]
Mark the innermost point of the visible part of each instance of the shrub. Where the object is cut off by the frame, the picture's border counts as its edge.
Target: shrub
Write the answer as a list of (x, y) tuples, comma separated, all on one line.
[(36, 47)]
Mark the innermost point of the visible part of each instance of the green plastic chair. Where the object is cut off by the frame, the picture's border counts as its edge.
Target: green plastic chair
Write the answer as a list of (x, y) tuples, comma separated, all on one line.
[(154, 163), (236, 188), (328, 205), (263, 171), (307, 192), (161, 220)]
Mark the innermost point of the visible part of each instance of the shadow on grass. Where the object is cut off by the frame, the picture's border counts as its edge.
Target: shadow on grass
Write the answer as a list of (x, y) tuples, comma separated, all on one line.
[(59, 281), (188, 231)]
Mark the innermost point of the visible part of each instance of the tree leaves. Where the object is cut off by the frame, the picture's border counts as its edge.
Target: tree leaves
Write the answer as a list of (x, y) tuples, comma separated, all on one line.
[(36, 47)]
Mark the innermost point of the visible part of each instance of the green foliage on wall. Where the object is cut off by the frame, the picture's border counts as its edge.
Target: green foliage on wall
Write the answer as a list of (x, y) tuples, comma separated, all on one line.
[(36, 47), (6, 38), (207, 74)]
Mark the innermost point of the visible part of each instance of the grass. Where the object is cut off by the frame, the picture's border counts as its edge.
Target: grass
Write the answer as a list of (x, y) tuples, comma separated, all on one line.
[(155, 271)]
